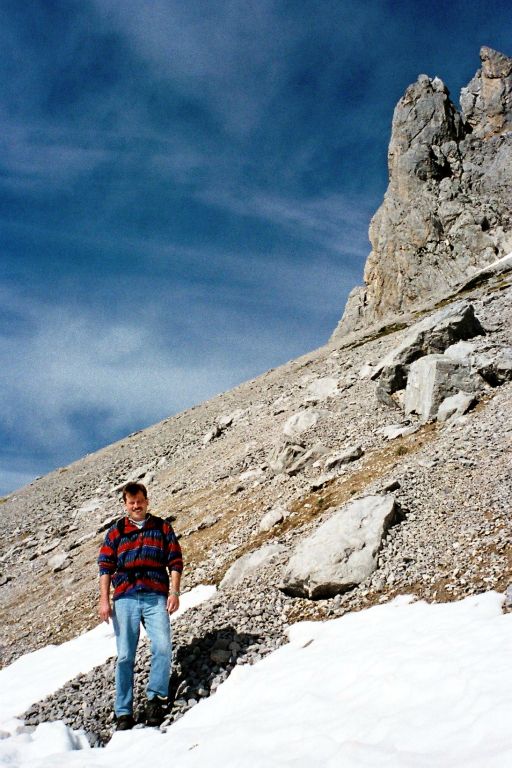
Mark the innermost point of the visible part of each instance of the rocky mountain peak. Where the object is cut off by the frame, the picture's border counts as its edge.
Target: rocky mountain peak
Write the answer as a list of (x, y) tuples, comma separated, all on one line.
[(447, 211), (424, 118), (487, 100)]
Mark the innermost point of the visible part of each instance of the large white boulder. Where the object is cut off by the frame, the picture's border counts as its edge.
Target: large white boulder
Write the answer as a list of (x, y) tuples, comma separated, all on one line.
[(284, 455), (273, 517), (392, 431), (343, 551), (432, 379), (59, 561)]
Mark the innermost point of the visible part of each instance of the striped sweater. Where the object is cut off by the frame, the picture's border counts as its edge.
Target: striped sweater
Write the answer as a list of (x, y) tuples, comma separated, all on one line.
[(138, 559)]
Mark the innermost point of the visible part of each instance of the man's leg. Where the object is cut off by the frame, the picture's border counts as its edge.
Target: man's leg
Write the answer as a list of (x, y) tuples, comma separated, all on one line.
[(158, 628), (126, 620)]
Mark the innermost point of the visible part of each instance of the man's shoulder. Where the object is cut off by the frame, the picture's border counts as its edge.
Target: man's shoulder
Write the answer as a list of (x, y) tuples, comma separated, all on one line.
[(115, 528), (160, 522)]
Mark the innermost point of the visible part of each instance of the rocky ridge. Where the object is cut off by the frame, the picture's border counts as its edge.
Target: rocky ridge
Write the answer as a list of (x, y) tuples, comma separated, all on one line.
[(252, 474), (447, 209)]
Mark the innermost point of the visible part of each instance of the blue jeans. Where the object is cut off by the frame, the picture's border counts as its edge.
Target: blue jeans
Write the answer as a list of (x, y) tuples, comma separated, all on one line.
[(127, 615)]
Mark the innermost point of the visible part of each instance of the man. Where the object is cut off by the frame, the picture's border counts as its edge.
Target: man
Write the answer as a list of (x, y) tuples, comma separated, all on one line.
[(135, 557)]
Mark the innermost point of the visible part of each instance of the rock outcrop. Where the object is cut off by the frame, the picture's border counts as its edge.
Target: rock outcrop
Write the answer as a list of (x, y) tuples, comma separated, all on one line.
[(447, 211), (487, 100), (416, 376), (433, 334)]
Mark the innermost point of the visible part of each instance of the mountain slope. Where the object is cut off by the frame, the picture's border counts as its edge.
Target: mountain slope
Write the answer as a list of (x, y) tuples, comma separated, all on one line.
[(262, 465)]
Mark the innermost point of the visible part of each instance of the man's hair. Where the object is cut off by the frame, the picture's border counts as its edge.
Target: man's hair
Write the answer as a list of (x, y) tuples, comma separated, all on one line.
[(132, 489)]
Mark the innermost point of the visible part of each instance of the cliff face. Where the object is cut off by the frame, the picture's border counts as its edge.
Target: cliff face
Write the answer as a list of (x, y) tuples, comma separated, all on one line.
[(448, 207)]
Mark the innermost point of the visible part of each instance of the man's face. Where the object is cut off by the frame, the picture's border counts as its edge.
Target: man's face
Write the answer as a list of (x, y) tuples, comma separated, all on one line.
[(136, 505)]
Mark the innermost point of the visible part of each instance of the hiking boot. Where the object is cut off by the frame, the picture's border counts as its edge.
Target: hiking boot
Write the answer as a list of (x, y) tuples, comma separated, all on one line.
[(124, 723), (156, 709)]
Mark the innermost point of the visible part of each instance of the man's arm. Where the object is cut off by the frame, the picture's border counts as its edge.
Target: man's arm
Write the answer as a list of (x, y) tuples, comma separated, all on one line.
[(107, 562), (175, 566), (105, 608)]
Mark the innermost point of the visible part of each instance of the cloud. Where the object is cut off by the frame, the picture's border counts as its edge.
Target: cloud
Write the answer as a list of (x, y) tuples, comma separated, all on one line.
[(160, 206), (75, 383), (335, 222), (78, 374), (72, 361), (36, 160)]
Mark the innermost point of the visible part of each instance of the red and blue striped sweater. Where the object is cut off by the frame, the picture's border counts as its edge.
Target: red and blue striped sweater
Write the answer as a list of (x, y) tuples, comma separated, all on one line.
[(138, 559)]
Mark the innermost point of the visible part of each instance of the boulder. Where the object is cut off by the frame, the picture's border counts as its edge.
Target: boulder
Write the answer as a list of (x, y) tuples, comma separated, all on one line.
[(455, 405), (433, 334), (461, 351), (432, 379), (502, 365), (344, 457), (208, 522), (392, 431), (343, 551), (271, 518), (321, 389), (392, 378), (249, 564), (284, 455), (495, 366), (251, 474), (306, 458), (137, 474), (227, 419), (299, 422), (59, 561), (212, 434), (366, 371), (49, 546), (322, 480)]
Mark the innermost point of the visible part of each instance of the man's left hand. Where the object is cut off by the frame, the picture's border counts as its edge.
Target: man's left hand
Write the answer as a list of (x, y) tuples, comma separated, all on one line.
[(173, 603)]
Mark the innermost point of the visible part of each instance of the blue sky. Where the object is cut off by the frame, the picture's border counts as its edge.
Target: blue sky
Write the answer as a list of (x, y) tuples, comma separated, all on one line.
[(185, 194)]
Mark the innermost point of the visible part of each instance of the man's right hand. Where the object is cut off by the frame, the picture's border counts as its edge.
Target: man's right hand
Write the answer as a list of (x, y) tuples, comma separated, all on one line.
[(105, 609)]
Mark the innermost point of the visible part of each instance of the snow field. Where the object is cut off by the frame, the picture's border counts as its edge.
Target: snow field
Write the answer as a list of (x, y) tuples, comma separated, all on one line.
[(405, 685)]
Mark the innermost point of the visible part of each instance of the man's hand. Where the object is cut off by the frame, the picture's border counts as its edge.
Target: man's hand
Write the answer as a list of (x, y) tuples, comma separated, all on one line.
[(173, 603), (105, 609)]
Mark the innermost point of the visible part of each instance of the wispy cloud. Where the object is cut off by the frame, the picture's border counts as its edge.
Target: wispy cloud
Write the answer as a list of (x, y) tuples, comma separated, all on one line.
[(75, 378), (335, 222), (36, 160), (73, 382)]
